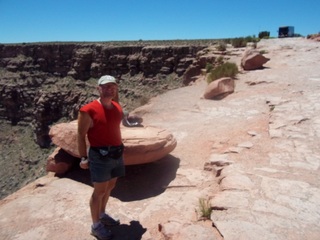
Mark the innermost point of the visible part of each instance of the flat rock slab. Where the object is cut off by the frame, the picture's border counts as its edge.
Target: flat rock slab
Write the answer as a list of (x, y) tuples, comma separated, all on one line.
[(142, 144), (45, 209)]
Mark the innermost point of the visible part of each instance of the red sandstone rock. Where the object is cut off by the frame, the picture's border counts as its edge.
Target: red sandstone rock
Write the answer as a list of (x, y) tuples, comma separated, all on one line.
[(64, 135), (253, 59), (147, 144), (142, 144), (219, 88)]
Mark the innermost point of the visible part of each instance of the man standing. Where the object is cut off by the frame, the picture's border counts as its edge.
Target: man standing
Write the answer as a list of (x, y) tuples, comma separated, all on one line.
[(100, 121)]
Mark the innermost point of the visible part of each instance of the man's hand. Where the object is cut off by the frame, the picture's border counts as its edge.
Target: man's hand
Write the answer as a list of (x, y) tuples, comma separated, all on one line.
[(84, 165)]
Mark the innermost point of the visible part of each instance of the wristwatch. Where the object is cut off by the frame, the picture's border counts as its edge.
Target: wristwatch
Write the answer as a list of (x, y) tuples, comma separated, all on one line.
[(84, 160)]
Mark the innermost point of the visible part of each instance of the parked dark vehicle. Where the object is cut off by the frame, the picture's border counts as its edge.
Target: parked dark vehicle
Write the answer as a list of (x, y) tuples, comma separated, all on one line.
[(287, 31)]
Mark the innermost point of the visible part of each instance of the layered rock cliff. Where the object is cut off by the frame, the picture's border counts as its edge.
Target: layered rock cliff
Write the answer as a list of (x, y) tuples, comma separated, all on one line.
[(42, 83), (45, 83)]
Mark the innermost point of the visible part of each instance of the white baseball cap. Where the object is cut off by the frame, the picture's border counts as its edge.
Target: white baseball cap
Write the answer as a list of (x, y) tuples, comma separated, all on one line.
[(106, 79)]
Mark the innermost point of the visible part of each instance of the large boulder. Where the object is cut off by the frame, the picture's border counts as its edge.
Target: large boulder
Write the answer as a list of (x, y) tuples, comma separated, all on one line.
[(146, 144), (64, 135), (252, 59), (142, 144), (219, 88)]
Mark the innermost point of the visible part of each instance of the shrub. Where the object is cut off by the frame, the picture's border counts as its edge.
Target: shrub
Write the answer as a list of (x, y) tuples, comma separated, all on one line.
[(209, 67), (242, 41), (227, 40), (220, 60), (238, 42), (222, 46), (204, 209), (264, 34), (225, 70)]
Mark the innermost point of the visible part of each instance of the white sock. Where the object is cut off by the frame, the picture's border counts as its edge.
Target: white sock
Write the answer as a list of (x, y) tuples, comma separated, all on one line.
[(95, 225)]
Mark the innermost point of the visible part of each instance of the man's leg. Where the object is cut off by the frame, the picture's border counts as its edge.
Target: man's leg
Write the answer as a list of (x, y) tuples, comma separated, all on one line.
[(96, 201), (111, 184), (98, 229), (105, 218)]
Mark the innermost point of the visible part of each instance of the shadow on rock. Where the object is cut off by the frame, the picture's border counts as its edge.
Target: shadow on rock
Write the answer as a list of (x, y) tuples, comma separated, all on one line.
[(134, 231), (77, 174), (147, 180), (141, 181)]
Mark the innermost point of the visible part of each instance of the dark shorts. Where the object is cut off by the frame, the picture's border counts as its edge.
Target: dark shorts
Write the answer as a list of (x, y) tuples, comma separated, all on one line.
[(104, 168)]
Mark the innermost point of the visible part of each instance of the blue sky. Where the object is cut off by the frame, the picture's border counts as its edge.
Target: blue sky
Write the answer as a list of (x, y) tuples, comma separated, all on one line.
[(123, 20)]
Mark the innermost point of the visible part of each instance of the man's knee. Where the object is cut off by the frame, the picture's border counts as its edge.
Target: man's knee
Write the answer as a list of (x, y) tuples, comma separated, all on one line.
[(112, 184), (99, 189), (98, 193)]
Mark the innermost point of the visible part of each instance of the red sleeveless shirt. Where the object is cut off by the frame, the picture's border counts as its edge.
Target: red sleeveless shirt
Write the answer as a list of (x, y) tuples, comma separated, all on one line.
[(106, 124)]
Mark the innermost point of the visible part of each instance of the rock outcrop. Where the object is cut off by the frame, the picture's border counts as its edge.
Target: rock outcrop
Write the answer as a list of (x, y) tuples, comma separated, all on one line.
[(84, 60), (315, 37), (253, 59), (142, 145), (42, 83), (219, 88)]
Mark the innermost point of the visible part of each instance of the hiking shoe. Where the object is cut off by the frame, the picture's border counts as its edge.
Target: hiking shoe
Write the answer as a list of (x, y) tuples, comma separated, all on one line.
[(109, 221), (101, 233)]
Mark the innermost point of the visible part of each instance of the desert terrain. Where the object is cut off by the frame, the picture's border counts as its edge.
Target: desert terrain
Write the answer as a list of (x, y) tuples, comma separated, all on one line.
[(260, 146)]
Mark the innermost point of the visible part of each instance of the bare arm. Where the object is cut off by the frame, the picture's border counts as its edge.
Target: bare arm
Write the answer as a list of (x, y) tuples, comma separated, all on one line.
[(84, 123)]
